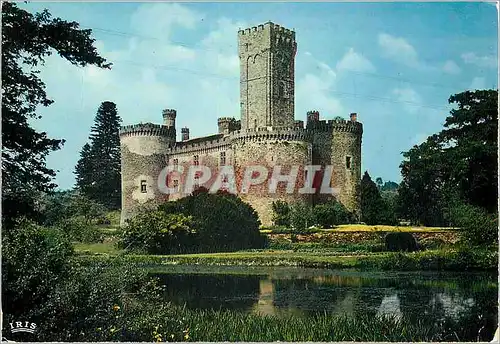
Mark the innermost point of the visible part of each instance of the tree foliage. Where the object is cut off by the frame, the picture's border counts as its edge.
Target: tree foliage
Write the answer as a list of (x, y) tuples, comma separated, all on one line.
[(374, 208), (331, 214), (27, 39), (459, 161), (98, 174)]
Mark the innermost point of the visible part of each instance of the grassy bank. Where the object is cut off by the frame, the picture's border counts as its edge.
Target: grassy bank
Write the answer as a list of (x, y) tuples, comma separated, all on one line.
[(431, 260)]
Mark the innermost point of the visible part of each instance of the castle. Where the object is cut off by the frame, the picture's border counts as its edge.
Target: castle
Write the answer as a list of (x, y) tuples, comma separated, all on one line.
[(267, 135)]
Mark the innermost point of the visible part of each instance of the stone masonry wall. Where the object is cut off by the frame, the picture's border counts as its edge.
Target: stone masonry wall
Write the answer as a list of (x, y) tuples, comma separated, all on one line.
[(141, 160), (269, 154)]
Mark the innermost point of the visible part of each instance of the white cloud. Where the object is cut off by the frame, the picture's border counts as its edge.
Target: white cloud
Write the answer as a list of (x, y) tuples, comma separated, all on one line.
[(150, 73), (451, 67), (478, 83), (353, 61), (398, 49), (158, 19), (409, 98), (480, 61), (313, 90)]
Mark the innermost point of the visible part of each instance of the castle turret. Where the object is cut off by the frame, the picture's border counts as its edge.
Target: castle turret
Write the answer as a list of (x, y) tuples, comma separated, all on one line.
[(185, 134), (143, 148), (346, 161), (169, 118), (312, 117)]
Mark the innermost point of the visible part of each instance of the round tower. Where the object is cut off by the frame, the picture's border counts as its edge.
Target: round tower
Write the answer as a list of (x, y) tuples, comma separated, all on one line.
[(286, 149), (346, 161), (143, 148)]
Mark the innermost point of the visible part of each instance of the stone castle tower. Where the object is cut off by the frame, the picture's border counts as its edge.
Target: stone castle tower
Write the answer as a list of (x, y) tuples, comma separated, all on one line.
[(267, 135)]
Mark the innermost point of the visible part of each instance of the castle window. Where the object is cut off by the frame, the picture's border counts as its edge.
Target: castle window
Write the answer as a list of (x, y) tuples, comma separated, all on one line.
[(176, 162), (348, 162), (246, 46), (222, 158), (196, 181), (176, 185), (143, 186), (255, 123), (196, 162)]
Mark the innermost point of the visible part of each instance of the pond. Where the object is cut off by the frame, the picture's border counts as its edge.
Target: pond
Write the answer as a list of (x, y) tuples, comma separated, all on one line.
[(470, 299)]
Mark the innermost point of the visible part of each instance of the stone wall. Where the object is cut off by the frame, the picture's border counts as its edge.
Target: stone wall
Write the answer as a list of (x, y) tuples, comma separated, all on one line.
[(270, 153), (141, 161)]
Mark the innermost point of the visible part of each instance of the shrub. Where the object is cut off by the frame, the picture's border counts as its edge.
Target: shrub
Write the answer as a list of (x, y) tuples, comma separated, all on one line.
[(77, 229), (301, 217), (34, 260), (223, 221), (156, 232), (281, 213), (400, 241), (477, 227), (331, 214)]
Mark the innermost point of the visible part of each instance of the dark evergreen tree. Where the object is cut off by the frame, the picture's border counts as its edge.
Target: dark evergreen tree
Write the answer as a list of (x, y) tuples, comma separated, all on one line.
[(26, 40), (84, 170), (372, 204), (98, 174)]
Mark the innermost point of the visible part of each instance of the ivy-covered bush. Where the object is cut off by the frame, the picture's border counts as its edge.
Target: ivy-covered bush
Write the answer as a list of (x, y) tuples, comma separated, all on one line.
[(156, 232), (400, 241)]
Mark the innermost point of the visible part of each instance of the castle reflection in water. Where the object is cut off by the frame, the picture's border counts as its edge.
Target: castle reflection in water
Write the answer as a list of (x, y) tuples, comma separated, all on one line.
[(415, 296)]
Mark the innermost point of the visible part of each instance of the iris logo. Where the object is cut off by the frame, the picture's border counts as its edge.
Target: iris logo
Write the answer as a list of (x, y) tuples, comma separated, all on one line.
[(20, 326)]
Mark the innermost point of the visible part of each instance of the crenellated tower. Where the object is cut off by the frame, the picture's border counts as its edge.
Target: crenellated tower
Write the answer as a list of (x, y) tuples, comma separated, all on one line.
[(267, 79), (143, 148)]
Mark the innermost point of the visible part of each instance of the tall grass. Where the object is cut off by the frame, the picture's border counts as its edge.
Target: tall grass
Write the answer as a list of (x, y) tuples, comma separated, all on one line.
[(213, 325)]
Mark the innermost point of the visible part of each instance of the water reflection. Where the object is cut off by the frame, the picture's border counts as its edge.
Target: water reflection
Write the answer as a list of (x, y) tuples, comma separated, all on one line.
[(470, 300)]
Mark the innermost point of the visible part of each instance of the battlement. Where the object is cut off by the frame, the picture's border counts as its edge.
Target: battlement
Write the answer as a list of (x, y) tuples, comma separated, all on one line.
[(147, 129), (226, 119), (273, 134), (336, 125), (275, 29), (200, 144), (169, 113)]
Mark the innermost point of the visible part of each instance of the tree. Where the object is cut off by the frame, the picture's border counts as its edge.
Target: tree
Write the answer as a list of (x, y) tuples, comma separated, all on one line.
[(470, 141), (26, 40), (457, 162), (98, 174), (372, 205), (84, 170), (379, 182)]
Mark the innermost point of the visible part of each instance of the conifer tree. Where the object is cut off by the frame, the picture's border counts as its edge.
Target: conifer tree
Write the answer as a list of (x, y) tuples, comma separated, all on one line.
[(372, 204), (98, 170)]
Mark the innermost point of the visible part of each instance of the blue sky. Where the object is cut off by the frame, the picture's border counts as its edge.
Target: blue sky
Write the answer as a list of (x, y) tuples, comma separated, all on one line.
[(395, 64)]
